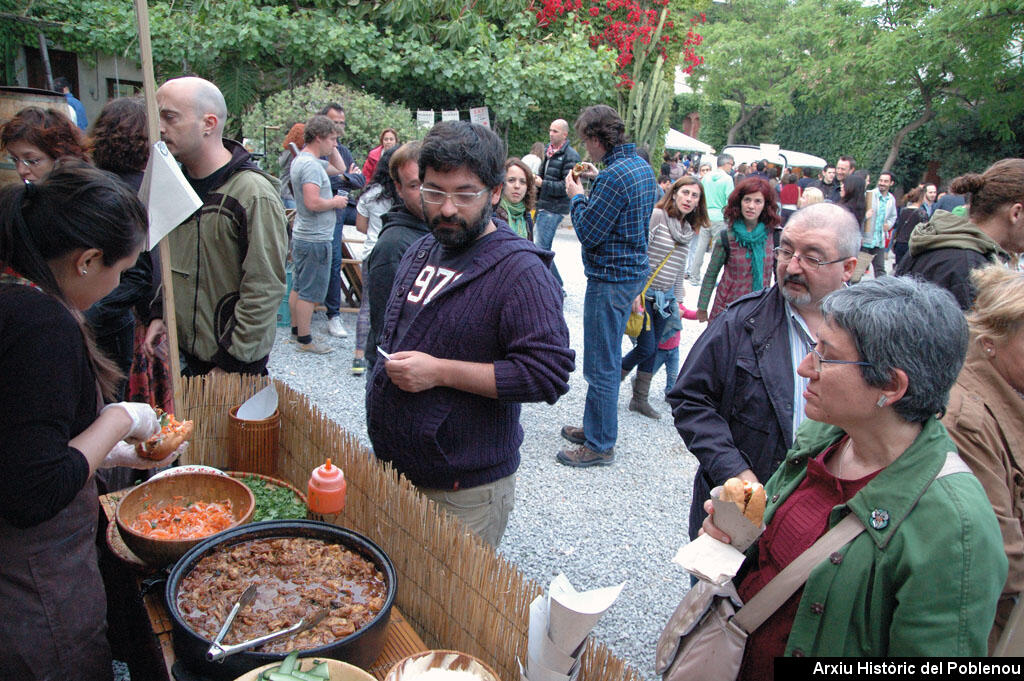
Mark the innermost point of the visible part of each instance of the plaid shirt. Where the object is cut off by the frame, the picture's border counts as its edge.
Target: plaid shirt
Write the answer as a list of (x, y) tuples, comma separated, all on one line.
[(612, 223)]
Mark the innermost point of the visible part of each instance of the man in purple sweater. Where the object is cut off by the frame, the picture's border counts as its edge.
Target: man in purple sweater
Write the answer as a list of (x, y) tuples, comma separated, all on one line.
[(473, 328)]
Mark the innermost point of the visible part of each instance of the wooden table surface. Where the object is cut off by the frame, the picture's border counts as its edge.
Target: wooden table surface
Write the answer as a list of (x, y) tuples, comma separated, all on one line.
[(402, 639)]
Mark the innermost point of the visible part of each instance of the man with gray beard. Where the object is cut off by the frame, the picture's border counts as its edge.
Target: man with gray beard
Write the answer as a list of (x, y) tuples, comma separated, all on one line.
[(738, 399)]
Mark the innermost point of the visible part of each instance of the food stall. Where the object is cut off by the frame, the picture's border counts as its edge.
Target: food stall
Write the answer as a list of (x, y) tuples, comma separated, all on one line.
[(454, 591)]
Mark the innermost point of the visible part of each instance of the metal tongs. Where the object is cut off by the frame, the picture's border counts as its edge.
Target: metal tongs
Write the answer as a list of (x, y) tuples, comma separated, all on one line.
[(217, 652)]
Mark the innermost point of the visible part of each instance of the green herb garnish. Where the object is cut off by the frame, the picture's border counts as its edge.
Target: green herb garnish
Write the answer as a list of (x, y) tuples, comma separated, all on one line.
[(273, 502)]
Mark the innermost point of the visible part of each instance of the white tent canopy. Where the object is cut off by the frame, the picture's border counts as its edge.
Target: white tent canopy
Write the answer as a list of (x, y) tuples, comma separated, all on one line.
[(677, 140)]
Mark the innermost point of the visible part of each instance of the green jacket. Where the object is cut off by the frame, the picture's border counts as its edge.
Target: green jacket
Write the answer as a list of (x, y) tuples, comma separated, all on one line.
[(228, 268), (925, 583)]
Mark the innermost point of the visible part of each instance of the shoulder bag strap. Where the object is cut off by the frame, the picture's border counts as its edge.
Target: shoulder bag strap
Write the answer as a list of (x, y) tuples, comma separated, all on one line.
[(777, 591), (658, 269)]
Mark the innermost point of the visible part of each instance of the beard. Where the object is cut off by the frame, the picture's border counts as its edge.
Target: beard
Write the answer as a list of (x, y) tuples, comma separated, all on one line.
[(796, 298), (459, 239)]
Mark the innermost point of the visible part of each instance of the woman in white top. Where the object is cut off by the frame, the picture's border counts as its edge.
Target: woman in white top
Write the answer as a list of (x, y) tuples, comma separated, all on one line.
[(376, 199), (676, 219), (532, 160)]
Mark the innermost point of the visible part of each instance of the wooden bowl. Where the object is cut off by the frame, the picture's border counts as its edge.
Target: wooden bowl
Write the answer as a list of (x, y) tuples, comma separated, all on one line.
[(340, 671), (184, 488), (408, 668)]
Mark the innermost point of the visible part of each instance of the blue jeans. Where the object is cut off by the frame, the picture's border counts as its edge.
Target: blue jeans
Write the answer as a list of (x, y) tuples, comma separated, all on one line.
[(333, 299), (642, 354), (544, 228), (670, 359), (606, 307)]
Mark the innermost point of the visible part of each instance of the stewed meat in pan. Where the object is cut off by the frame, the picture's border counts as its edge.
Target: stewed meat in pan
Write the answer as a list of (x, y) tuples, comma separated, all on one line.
[(295, 577)]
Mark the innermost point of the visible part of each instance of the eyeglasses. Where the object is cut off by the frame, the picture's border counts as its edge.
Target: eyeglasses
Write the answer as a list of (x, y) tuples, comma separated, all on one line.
[(27, 162), (819, 360), (785, 255), (436, 197)]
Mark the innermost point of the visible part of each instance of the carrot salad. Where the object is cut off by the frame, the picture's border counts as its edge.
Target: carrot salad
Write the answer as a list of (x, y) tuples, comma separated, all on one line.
[(181, 521)]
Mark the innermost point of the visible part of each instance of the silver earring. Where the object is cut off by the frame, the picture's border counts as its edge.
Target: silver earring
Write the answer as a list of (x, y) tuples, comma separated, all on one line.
[(882, 400), (84, 272)]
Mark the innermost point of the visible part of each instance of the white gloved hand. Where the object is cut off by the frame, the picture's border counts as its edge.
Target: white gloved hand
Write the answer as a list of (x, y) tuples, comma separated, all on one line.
[(145, 423), (123, 454)]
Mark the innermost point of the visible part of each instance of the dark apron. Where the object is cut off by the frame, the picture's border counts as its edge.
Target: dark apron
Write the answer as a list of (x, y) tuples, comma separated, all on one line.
[(53, 611)]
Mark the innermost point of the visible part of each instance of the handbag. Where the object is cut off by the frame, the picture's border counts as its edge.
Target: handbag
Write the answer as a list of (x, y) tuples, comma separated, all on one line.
[(705, 637), (640, 321)]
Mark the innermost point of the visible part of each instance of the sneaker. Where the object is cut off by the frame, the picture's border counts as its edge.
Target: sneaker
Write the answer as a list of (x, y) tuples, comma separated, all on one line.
[(335, 328), (358, 366), (584, 457), (315, 348), (573, 435)]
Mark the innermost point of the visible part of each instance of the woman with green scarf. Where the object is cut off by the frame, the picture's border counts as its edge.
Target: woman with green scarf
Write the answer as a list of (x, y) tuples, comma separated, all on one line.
[(744, 249), (517, 198)]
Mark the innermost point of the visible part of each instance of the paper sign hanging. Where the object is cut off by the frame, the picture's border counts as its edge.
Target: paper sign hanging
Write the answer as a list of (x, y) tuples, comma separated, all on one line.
[(480, 115), (166, 193), (425, 118), (452, 115)]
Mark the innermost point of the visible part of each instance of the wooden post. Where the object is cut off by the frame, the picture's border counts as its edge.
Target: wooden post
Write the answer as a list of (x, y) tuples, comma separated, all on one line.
[(44, 52), (153, 122)]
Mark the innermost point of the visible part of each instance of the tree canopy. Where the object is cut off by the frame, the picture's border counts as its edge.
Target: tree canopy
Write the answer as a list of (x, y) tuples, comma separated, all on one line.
[(947, 61), (436, 54)]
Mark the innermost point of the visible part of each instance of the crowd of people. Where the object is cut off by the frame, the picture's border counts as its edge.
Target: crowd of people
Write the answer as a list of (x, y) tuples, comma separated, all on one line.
[(844, 395)]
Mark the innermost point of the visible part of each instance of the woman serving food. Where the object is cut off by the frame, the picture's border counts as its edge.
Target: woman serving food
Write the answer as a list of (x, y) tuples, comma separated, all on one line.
[(924, 577), (64, 242)]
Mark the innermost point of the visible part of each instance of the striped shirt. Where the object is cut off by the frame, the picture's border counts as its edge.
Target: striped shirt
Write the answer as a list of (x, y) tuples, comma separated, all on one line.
[(800, 343), (673, 274), (612, 222)]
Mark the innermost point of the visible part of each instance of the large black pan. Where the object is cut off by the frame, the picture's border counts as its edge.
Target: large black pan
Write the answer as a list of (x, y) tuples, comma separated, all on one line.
[(360, 648)]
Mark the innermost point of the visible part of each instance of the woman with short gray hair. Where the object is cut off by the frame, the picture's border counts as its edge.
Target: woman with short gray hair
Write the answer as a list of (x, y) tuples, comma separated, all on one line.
[(924, 576)]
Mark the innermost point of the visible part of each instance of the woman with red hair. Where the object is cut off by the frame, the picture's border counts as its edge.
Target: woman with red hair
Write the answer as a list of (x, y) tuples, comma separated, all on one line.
[(744, 248), (35, 139)]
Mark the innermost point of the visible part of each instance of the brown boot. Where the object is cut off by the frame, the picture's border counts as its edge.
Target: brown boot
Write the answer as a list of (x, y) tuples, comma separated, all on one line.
[(641, 388)]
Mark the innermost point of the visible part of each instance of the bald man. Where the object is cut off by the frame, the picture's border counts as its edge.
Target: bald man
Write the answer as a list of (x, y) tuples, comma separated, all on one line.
[(552, 201), (228, 257)]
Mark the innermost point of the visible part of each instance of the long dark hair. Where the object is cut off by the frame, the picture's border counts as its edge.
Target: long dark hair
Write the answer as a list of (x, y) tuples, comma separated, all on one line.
[(698, 217), (853, 197), (382, 177), (76, 206)]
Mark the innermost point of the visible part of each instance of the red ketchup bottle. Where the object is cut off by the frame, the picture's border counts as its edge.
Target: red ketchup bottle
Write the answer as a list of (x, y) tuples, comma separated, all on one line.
[(327, 490)]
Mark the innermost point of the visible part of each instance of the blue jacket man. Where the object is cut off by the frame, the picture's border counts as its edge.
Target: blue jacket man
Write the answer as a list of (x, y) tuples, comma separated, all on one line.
[(612, 227)]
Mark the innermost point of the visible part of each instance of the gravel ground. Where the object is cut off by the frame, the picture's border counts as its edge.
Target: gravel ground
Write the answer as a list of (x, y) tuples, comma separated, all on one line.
[(600, 526)]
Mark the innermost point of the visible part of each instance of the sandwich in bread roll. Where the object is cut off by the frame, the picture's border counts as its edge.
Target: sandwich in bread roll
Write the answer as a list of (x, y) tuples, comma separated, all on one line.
[(171, 435), (578, 170), (749, 496)]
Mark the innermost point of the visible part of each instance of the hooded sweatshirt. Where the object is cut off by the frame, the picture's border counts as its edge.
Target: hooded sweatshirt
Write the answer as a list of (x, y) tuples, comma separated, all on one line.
[(399, 230), (945, 249)]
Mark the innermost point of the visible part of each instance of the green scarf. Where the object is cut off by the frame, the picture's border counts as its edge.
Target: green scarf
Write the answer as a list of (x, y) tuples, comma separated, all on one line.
[(754, 243), (516, 219)]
